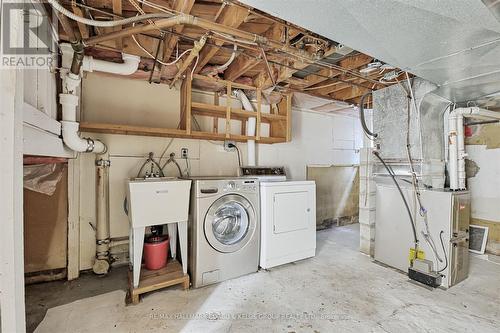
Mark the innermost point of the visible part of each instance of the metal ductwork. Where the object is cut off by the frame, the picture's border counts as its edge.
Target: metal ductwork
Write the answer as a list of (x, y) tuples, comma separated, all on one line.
[(452, 43)]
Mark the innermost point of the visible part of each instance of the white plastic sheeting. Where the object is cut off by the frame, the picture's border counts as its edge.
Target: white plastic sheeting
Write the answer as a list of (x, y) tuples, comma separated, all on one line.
[(43, 178)]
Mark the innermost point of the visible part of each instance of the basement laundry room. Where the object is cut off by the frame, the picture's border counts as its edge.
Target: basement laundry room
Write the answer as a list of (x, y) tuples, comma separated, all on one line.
[(250, 166)]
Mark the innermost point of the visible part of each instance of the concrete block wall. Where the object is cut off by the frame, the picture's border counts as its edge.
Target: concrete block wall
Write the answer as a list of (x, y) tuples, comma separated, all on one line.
[(367, 201)]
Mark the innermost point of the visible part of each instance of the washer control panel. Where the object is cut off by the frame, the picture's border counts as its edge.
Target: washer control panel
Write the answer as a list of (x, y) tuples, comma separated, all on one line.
[(248, 185), (209, 187)]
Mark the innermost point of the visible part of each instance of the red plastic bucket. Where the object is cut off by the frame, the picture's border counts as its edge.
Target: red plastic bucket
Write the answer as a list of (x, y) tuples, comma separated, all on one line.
[(156, 252)]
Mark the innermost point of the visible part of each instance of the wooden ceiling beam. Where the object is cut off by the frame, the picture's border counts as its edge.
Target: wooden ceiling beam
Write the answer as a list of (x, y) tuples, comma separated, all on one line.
[(244, 63), (368, 101), (182, 6), (349, 63), (117, 9), (283, 73), (232, 16), (240, 66), (84, 30), (107, 5), (346, 81), (349, 93)]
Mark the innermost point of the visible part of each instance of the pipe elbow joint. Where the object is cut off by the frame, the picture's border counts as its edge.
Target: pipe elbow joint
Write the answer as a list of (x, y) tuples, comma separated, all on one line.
[(81, 145)]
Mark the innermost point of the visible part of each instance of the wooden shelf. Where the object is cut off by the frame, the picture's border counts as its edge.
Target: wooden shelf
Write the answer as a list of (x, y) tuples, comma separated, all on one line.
[(279, 119), (210, 110), (158, 279), (167, 132)]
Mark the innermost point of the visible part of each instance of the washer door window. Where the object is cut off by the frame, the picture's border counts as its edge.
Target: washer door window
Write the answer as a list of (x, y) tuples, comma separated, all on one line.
[(229, 223)]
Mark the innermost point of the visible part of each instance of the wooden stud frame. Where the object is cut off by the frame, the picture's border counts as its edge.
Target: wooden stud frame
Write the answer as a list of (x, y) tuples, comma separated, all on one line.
[(279, 119)]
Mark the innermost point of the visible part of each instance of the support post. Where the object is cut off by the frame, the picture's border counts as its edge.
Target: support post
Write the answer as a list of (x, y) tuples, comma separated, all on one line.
[(228, 110)]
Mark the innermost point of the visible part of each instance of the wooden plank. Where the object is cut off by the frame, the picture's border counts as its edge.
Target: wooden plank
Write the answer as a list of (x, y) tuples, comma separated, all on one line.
[(158, 279), (289, 118), (284, 73), (246, 62), (223, 82), (168, 132), (231, 16), (216, 119), (181, 6), (259, 109), (84, 30), (349, 93), (349, 63), (239, 114), (182, 117), (188, 102), (117, 9), (228, 110), (240, 66)]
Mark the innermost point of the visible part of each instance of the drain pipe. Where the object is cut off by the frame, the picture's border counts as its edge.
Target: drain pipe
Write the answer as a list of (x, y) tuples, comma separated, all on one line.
[(101, 264), (456, 148), (74, 59), (251, 124)]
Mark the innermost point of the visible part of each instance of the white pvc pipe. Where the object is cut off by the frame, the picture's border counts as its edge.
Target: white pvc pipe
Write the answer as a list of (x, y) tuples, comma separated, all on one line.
[(453, 151), (478, 113), (70, 127), (456, 148), (461, 152), (69, 99), (129, 66), (251, 125)]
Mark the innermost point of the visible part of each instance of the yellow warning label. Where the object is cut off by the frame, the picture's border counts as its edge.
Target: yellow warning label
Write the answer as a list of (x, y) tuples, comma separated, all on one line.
[(420, 255)]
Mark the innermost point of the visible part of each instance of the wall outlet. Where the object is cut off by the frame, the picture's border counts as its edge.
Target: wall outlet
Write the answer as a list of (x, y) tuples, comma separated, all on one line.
[(226, 145), (184, 153)]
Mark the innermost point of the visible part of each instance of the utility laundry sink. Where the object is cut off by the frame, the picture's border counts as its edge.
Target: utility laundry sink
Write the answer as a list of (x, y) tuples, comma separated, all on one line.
[(154, 201)]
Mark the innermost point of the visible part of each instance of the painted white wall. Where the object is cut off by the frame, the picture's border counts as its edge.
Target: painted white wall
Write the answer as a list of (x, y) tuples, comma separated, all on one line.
[(485, 196), (12, 307), (316, 139)]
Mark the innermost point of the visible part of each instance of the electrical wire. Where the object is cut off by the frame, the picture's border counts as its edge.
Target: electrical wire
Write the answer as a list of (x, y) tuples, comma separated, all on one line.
[(366, 130), (95, 23), (143, 49), (419, 118), (194, 67), (412, 222), (414, 180), (238, 153), (231, 59), (444, 251)]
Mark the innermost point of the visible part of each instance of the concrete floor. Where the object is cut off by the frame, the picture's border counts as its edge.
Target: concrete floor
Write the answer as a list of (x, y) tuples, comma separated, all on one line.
[(43, 296), (338, 290)]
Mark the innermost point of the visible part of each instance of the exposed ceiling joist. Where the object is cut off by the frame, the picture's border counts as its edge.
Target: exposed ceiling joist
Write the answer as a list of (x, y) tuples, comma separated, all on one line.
[(270, 51)]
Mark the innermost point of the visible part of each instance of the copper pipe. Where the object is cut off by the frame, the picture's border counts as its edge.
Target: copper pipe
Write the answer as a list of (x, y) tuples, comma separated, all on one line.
[(184, 19)]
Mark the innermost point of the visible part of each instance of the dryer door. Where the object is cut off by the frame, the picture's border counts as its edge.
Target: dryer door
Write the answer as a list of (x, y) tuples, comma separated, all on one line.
[(230, 223)]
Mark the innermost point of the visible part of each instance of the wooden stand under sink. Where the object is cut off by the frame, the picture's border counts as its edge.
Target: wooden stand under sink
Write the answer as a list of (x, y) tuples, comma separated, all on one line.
[(158, 279)]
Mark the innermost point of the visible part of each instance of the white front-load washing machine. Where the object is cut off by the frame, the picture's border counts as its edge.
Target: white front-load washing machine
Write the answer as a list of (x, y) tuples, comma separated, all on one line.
[(224, 229)]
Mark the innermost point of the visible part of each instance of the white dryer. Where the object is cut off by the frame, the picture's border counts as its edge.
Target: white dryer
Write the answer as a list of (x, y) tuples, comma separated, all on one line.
[(224, 229), (288, 216)]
